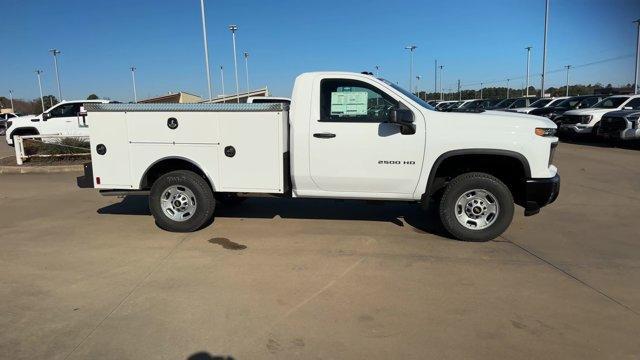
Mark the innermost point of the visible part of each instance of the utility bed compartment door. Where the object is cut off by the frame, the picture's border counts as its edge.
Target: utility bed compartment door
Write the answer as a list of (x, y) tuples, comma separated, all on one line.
[(251, 152), (191, 127), (109, 131)]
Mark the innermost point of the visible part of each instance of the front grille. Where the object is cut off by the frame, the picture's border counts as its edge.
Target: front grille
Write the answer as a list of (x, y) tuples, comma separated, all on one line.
[(612, 124), (570, 119)]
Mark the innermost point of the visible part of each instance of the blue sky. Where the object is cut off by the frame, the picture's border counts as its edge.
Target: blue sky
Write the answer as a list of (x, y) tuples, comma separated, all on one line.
[(475, 40)]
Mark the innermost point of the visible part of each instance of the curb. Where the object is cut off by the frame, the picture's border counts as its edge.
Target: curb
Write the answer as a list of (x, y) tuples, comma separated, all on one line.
[(40, 169)]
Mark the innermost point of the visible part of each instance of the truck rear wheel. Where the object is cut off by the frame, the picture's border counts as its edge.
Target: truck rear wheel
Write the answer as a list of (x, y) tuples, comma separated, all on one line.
[(181, 201), (476, 207)]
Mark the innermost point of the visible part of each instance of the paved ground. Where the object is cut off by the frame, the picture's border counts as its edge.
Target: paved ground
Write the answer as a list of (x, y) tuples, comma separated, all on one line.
[(5, 150), (87, 277)]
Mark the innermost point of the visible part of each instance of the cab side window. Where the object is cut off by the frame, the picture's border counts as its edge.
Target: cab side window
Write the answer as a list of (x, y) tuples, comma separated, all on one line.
[(589, 102), (635, 104), (66, 110), (343, 100)]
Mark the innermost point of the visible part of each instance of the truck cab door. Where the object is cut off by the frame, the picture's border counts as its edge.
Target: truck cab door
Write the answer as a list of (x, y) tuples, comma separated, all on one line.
[(353, 146), (62, 119)]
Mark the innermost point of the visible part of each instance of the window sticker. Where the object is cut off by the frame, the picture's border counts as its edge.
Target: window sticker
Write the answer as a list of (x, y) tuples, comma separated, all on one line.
[(349, 103)]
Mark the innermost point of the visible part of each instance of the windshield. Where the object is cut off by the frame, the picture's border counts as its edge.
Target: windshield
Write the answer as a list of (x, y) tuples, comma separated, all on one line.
[(408, 94), (568, 103), (540, 103), (505, 103), (611, 102), (470, 104)]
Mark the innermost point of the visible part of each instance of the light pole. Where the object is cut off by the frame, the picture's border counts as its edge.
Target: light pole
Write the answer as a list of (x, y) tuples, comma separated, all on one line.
[(508, 88), (38, 72), (55, 53), (435, 77), (544, 49), (206, 48), (441, 94), (11, 98), (528, 61), (233, 29), (459, 92), (246, 68), (411, 48), (481, 86), (635, 82), (418, 77), (567, 67), (133, 79), (222, 78)]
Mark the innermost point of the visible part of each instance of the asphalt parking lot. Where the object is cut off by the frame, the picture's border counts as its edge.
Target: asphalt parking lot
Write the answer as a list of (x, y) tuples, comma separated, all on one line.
[(88, 277)]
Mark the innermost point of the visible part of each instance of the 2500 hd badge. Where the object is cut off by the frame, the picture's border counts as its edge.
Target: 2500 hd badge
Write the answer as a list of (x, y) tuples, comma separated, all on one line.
[(396, 162)]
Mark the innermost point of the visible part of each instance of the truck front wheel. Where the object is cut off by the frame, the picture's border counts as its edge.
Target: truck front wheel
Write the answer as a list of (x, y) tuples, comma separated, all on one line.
[(181, 201), (476, 207)]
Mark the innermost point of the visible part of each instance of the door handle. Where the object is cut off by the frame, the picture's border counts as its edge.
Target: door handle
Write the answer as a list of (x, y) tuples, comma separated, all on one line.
[(324, 135)]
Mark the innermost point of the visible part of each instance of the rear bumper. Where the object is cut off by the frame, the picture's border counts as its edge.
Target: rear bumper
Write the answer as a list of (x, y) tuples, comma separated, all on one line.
[(540, 192), (86, 181)]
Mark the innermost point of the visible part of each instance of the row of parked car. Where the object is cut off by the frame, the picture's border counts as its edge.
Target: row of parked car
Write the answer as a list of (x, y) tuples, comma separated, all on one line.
[(608, 117)]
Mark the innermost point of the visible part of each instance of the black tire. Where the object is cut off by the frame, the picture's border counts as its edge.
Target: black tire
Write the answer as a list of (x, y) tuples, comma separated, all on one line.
[(467, 182), (594, 132), (204, 200), (229, 199)]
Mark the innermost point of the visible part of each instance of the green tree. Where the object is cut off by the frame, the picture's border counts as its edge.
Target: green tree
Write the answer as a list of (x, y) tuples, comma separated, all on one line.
[(92, 97)]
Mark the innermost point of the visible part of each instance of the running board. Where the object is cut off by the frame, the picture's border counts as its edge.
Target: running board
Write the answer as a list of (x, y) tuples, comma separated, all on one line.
[(123, 192)]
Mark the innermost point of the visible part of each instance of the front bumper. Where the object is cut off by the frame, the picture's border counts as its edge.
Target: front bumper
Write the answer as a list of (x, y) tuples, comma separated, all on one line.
[(539, 193), (630, 134), (575, 129)]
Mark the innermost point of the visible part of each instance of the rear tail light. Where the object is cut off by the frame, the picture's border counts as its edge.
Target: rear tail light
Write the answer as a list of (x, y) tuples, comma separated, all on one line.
[(97, 180)]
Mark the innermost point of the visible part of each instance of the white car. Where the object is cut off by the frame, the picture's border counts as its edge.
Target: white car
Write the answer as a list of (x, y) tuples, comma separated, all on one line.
[(345, 136), (63, 118), (4, 117), (587, 121), (541, 103)]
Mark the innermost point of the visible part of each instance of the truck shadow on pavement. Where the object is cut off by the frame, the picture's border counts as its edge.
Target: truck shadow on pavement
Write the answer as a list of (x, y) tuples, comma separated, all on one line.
[(422, 221), (203, 355)]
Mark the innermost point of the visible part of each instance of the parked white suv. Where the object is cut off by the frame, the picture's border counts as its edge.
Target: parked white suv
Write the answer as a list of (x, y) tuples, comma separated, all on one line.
[(541, 103), (587, 121), (62, 119)]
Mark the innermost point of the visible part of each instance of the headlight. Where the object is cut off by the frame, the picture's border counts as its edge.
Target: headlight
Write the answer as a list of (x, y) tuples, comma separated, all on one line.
[(545, 132), (586, 119)]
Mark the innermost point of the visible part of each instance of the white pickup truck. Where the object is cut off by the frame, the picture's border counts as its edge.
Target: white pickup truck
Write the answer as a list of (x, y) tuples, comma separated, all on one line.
[(587, 121), (64, 118), (344, 136)]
